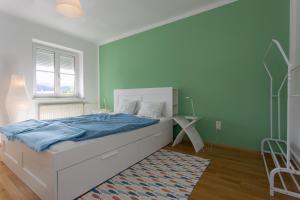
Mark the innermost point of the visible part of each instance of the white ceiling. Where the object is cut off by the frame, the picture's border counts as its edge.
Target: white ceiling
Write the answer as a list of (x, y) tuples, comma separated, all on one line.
[(108, 20)]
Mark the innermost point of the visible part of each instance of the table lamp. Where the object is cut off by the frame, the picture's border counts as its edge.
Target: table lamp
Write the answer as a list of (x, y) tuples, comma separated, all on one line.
[(192, 104)]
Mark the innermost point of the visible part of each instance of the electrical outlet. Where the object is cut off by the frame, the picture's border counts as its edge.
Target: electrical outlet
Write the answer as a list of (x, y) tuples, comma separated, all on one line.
[(218, 125)]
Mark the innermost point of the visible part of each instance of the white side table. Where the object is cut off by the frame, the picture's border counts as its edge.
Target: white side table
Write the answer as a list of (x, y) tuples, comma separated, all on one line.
[(187, 124)]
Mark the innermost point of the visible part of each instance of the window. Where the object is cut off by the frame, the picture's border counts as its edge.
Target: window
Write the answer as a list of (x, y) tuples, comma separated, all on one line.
[(56, 72)]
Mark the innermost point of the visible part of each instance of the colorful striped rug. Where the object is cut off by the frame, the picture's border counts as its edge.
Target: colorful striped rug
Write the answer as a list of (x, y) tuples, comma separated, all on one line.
[(164, 175)]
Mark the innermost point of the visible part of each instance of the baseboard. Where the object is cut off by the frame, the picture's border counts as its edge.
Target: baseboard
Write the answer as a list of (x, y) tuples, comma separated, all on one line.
[(222, 146), (232, 148)]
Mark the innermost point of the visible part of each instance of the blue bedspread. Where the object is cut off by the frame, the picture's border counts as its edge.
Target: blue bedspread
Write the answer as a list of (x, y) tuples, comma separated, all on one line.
[(75, 129), (41, 138), (99, 125), (12, 130)]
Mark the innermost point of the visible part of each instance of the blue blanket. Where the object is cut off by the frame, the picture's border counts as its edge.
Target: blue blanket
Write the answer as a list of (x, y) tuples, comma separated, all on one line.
[(14, 129), (99, 125), (94, 126), (41, 138)]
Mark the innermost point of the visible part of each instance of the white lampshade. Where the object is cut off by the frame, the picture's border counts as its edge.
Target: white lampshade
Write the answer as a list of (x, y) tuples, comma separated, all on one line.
[(17, 101), (69, 8)]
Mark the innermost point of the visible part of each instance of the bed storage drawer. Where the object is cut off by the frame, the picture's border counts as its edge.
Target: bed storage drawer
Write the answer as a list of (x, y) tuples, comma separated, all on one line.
[(149, 145), (80, 178)]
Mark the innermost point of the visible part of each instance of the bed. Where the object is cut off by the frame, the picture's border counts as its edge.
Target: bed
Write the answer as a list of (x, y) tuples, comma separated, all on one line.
[(69, 169)]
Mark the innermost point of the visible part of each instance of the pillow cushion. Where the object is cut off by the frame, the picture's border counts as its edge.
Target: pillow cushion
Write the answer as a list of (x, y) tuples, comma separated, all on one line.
[(151, 109), (127, 106)]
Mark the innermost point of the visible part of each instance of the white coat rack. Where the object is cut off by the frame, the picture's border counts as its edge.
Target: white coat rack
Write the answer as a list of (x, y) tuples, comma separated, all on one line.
[(280, 150)]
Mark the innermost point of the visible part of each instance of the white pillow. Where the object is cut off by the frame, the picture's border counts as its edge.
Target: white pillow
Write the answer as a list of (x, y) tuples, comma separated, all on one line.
[(126, 106), (151, 109)]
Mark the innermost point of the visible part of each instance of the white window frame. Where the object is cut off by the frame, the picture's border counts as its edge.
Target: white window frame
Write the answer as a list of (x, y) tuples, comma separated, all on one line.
[(57, 53)]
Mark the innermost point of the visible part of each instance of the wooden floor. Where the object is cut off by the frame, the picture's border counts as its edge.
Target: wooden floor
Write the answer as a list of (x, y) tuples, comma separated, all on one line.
[(232, 175)]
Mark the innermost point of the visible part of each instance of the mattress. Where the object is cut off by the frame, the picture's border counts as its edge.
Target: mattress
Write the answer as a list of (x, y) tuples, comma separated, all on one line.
[(68, 145)]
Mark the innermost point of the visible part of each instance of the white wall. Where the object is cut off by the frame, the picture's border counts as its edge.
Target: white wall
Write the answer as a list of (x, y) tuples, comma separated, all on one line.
[(16, 58), (295, 32), (297, 56), (295, 60)]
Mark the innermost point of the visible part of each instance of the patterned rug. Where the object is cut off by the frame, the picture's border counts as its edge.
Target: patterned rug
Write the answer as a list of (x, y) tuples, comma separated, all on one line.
[(164, 175)]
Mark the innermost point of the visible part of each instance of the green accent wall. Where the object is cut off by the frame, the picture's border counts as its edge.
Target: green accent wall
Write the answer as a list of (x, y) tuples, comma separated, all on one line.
[(214, 57)]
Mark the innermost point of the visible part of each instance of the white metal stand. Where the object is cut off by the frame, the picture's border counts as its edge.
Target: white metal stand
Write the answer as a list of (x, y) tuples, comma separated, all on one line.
[(279, 149), (187, 124)]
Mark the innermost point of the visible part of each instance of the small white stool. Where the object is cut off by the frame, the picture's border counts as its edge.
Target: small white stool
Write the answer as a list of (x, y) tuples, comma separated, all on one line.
[(187, 124)]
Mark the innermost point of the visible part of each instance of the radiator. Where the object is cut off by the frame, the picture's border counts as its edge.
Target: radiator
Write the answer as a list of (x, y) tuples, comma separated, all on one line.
[(59, 110)]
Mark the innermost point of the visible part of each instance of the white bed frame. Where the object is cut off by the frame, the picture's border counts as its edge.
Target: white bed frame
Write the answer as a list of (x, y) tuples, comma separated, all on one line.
[(69, 173)]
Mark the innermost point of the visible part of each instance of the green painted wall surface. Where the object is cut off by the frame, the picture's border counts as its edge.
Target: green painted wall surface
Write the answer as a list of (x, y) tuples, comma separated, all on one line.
[(214, 57)]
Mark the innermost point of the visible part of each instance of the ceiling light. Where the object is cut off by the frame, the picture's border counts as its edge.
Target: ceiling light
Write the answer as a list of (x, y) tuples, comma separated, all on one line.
[(69, 8)]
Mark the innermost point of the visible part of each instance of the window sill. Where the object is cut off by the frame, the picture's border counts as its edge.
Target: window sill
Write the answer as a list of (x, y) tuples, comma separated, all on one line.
[(40, 100)]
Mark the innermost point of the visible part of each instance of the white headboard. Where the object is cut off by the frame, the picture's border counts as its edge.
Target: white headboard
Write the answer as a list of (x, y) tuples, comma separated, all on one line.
[(168, 95)]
